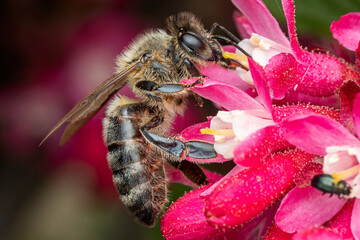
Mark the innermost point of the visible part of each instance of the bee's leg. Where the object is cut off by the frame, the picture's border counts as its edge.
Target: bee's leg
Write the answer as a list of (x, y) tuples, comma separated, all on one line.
[(192, 171), (194, 149), (193, 70), (198, 100), (166, 87), (227, 40)]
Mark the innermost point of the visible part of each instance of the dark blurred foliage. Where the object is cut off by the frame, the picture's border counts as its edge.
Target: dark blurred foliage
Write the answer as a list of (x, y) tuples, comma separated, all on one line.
[(52, 54)]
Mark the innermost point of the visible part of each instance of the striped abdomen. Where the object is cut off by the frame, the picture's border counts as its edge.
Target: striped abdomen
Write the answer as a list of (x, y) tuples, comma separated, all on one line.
[(138, 169)]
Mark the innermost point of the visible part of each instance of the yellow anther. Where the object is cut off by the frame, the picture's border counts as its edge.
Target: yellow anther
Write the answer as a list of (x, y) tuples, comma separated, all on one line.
[(235, 56), (219, 132), (254, 41), (346, 173)]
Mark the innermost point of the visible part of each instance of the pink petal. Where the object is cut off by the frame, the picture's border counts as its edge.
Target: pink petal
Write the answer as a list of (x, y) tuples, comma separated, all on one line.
[(185, 219), (358, 56), (232, 172), (248, 122), (317, 233), (295, 98), (348, 92), (261, 143), (224, 94), (303, 131), (176, 175), (355, 219), (243, 25), (260, 82), (356, 114), (230, 77), (250, 151), (282, 113), (283, 72), (347, 30), (316, 74), (304, 207), (275, 233), (261, 19), (347, 160), (342, 221), (289, 10), (248, 193), (193, 133)]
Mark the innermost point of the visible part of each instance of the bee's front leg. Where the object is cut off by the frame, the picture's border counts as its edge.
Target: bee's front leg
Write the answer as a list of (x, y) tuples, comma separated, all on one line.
[(166, 87)]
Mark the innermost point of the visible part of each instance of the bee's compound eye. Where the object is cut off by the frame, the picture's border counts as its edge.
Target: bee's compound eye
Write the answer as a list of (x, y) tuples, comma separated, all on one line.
[(192, 42)]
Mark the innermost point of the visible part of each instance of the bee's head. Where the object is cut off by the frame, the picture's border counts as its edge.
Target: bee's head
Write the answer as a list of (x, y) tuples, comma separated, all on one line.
[(193, 39)]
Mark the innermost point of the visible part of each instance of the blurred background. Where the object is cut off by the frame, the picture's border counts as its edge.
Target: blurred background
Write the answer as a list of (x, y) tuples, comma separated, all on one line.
[(52, 54)]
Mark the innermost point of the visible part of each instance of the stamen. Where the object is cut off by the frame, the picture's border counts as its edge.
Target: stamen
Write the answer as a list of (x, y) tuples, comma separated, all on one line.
[(346, 173), (258, 42), (219, 132)]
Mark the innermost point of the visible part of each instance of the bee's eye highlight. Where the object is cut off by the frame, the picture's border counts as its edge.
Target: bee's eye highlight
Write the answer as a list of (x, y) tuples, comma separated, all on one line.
[(192, 42)]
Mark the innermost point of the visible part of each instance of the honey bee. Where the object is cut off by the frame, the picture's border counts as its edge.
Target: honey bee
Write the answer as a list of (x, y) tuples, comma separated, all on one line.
[(136, 132)]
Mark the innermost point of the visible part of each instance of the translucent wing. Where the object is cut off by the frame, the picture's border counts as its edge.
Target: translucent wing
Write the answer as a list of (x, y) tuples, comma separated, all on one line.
[(91, 104)]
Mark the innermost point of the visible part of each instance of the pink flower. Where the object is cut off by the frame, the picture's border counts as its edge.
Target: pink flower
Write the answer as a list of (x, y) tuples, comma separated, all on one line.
[(293, 72), (185, 219), (347, 30), (338, 227), (252, 129), (254, 132), (341, 151), (240, 197)]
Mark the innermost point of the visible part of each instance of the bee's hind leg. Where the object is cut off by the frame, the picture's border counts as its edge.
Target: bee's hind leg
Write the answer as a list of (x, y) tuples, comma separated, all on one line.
[(191, 170), (177, 148)]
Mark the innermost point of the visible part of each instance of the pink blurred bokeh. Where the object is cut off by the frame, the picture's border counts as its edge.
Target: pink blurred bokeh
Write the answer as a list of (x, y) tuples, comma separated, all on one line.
[(53, 54)]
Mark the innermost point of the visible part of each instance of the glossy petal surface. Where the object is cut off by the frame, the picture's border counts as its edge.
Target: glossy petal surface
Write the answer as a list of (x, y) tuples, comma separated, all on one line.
[(258, 145), (311, 127), (185, 219), (260, 82), (261, 20), (347, 30), (229, 97), (303, 208), (248, 193)]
